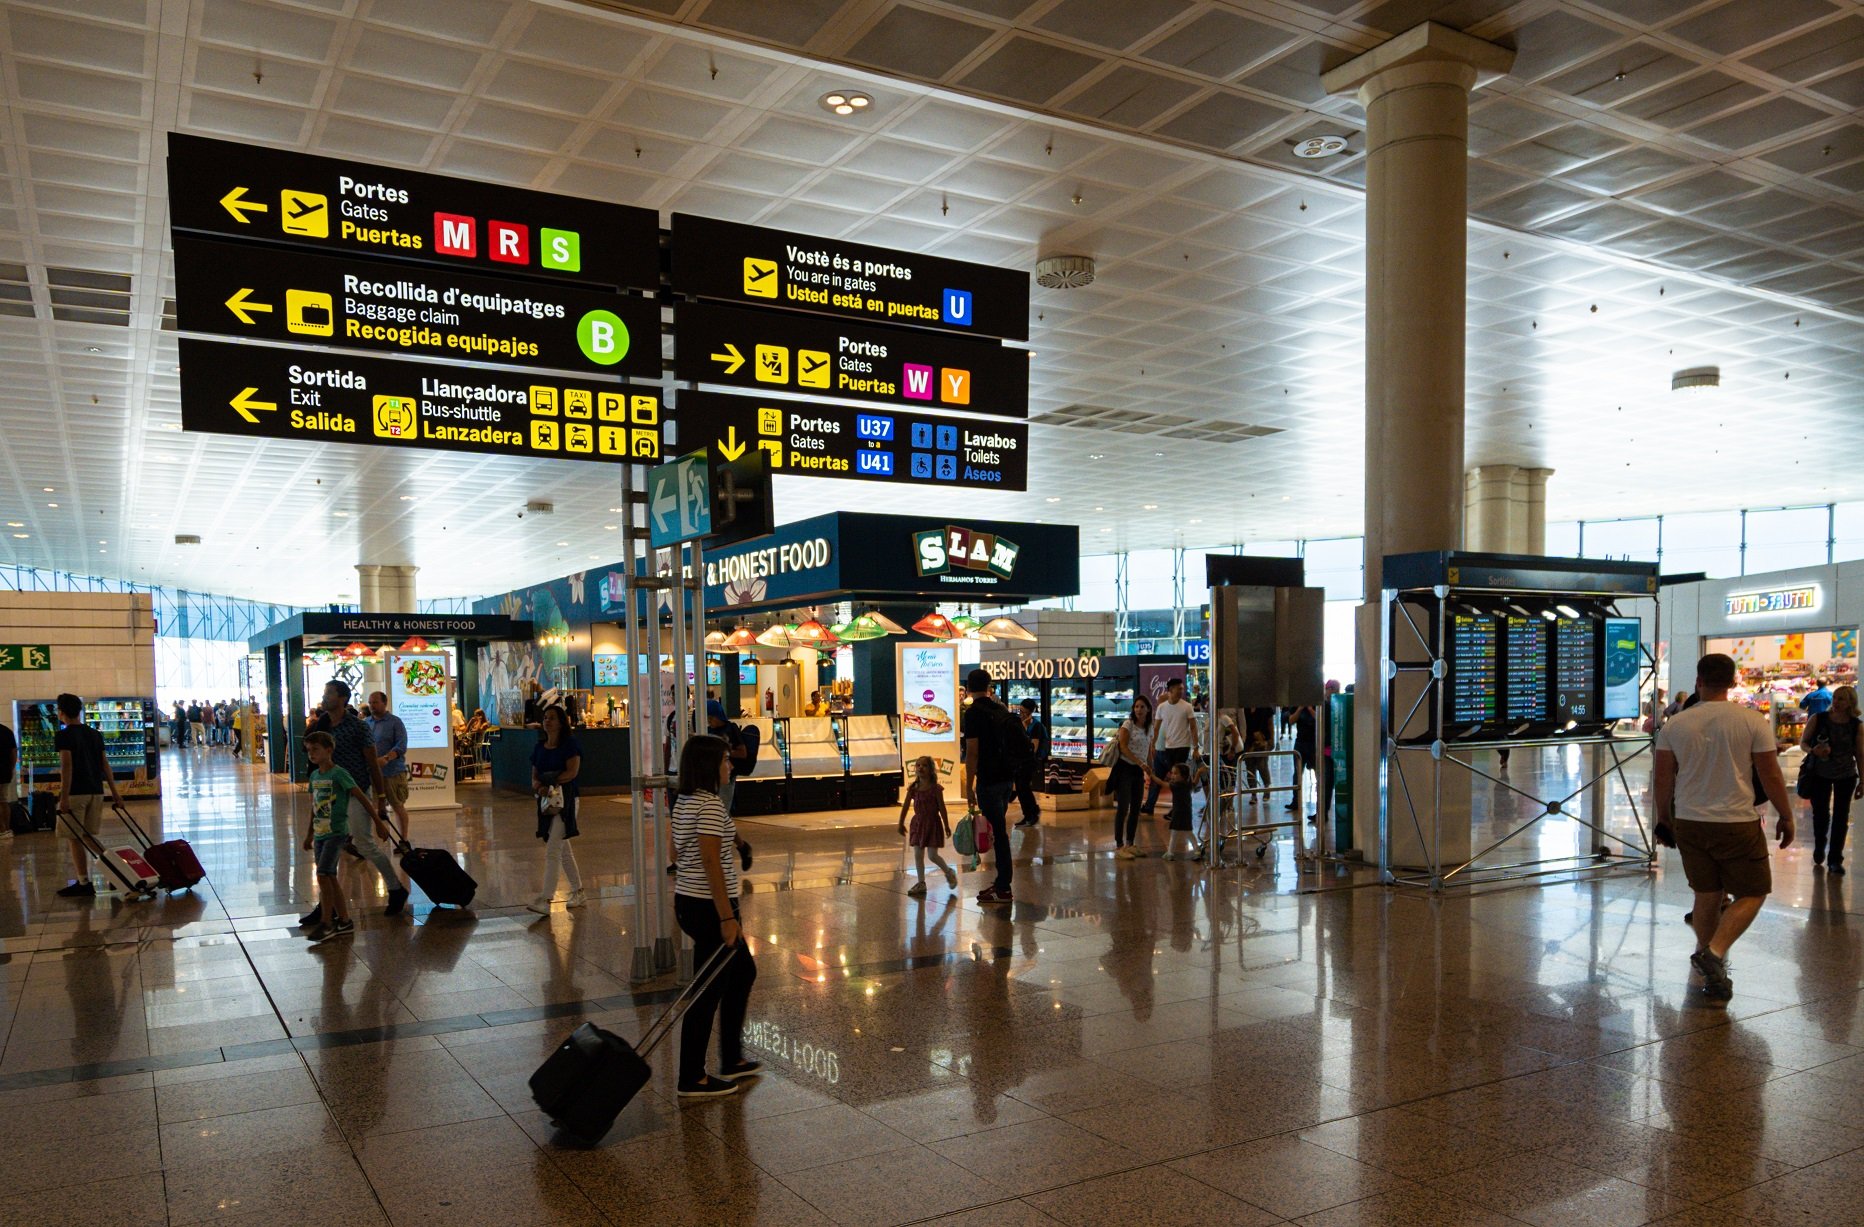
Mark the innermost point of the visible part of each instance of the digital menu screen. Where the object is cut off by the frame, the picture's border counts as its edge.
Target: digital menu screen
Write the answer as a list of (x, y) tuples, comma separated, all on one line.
[(417, 692), (1624, 654), (1474, 678), (747, 672), (928, 693), (610, 669), (1524, 688), (1576, 669)]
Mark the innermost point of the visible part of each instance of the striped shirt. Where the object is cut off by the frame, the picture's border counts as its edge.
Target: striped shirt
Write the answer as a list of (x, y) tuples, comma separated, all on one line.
[(696, 814)]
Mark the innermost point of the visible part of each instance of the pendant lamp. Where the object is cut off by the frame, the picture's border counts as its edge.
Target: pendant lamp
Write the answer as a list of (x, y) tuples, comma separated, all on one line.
[(965, 623), (883, 622), (741, 637), (1007, 628), (714, 638), (811, 632), (865, 627), (937, 626), (415, 644), (779, 636), (358, 648)]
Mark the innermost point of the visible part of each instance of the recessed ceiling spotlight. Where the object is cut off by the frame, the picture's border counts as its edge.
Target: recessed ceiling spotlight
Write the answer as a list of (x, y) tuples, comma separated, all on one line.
[(51, 504), (1697, 379), (611, 527), (562, 543), (845, 101), (407, 498), (1148, 506), (1095, 456), (341, 515), (21, 536), (616, 510), (1052, 499), (171, 426), (92, 349), (14, 524), (1194, 520), (1323, 146), (49, 490)]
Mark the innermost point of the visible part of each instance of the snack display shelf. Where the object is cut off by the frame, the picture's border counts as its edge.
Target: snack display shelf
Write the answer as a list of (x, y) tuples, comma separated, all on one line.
[(1111, 707), (1068, 732), (127, 726)]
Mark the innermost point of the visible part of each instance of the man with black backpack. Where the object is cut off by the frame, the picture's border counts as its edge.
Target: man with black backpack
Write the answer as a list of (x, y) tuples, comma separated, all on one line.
[(997, 753)]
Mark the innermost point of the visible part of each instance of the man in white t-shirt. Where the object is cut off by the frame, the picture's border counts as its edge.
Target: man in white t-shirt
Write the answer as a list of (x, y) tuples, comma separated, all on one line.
[(1707, 759), (1176, 721)]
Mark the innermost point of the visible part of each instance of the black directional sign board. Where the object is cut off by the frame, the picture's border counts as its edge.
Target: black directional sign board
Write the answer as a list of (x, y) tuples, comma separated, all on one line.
[(243, 290), (810, 440), (775, 268), (824, 357), (278, 393), (353, 208)]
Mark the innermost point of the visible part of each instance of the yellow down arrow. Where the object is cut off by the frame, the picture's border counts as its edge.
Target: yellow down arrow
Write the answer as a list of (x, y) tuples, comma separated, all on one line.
[(235, 200), (240, 305), (243, 404), (732, 360), (729, 447)]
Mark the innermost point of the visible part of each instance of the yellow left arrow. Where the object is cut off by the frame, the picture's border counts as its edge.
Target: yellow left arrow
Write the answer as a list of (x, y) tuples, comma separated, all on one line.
[(240, 304), (244, 404), (235, 201)]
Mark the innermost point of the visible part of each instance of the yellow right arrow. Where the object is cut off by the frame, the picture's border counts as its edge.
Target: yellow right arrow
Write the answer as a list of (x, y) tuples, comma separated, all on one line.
[(729, 447), (240, 305), (235, 200), (732, 360), (243, 404)]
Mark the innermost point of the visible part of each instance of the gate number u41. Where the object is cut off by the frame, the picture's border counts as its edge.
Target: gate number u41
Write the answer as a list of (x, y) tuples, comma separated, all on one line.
[(878, 463), (873, 428)]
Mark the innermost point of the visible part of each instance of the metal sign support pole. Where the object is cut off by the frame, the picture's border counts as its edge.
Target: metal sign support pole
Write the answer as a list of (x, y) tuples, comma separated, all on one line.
[(642, 968), (674, 729)]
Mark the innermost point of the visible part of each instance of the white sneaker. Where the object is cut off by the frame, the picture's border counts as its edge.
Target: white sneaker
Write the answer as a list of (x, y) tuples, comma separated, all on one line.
[(577, 899), (540, 905), (1125, 853), (1167, 856)]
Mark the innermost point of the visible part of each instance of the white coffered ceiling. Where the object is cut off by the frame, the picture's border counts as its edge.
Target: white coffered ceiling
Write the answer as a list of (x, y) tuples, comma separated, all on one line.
[(1660, 185)]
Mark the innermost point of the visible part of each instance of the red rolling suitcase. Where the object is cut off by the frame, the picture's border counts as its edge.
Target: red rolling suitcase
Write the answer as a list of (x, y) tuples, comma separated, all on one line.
[(173, 859), (120, 863)]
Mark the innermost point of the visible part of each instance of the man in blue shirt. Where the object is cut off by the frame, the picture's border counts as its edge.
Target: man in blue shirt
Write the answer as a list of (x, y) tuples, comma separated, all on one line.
[(1819, 700), (391, 750)]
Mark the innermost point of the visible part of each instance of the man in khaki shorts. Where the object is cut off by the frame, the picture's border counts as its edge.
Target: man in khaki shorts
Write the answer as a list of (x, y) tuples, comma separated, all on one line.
[(83, 774), (1707, 757)]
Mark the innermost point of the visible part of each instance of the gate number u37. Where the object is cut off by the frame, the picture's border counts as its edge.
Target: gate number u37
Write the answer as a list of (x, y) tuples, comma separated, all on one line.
[(873, 428)]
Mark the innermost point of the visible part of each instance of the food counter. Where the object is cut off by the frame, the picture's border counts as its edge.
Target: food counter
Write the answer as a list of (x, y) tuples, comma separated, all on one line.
[(605, 759)]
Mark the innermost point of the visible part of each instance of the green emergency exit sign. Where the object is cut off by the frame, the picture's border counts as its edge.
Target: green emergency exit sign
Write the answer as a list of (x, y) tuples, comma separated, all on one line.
[(32, 657)]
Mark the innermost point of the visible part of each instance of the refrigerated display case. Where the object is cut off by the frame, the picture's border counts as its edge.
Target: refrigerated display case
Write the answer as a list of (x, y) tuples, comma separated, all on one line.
[(1068, 726), (129, 729)]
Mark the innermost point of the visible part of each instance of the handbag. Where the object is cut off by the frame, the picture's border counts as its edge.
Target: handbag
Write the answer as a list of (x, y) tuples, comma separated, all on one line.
[(1109, 753), (964, 836), (551, 803), (982, 835)]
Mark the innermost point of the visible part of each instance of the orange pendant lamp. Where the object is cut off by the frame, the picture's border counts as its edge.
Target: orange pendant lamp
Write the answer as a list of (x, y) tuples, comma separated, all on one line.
[(937, 626)]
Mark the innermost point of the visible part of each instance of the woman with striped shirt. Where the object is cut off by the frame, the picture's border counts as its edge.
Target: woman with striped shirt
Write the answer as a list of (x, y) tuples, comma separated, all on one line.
[(705, 902)]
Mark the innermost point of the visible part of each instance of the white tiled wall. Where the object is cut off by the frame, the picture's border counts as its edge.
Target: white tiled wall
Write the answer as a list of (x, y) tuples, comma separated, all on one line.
[(103, 644)]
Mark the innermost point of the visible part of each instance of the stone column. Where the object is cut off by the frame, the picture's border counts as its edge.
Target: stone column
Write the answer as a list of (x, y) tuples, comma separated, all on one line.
[(1505, 509), (385, 588), (1415, 89)]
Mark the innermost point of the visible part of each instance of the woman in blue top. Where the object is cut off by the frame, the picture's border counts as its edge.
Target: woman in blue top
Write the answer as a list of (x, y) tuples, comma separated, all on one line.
[(556, 760)]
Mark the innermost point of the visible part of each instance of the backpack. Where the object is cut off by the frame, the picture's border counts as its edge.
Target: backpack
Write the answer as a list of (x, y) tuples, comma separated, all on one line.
[(1008, 740), (752, 740)]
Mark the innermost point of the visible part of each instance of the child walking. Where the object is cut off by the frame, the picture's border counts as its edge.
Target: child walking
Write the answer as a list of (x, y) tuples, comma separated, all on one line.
[(1179, 778), (931, 825), (333, 790)]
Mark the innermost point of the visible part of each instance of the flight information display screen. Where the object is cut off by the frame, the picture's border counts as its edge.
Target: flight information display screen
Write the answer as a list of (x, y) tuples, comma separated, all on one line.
[(1576, 669), (1474, 640), (1525, 684)]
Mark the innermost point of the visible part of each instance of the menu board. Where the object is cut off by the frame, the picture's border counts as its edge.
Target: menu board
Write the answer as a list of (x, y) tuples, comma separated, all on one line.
[(747, 671), (1473, 643), (1624, 655), (928, 693), (1525, 684), (417, 692), (610, 669), (1576, 669)]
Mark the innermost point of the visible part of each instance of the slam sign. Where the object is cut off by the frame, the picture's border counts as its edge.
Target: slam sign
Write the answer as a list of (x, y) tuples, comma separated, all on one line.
[(938, 551)]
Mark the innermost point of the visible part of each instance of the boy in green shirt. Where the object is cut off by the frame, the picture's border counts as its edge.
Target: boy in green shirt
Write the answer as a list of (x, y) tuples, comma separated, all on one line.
[(332, 789)]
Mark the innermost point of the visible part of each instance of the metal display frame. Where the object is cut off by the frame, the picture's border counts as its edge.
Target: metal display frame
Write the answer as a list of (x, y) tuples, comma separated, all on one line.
[(1640, 855)]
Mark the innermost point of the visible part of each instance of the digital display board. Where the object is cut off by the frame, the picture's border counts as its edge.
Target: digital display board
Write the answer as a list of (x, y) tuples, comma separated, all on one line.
[(1576, 669), (928, 693), (1524, 684), (611, 669), (1624, 659), (747, 672), (417, 692), (1474, 640)]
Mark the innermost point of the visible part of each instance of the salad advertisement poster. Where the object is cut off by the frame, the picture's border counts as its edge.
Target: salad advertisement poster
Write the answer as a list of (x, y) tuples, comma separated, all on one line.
[(417, 692), (929, 712)]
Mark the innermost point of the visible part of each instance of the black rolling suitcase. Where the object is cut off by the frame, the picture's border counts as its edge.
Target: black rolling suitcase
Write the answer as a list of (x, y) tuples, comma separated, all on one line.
[(583, 1086), (44, 811), (440, 877)]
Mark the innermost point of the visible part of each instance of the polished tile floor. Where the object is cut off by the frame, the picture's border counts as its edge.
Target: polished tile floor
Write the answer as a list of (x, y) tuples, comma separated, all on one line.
[(1132, 1043)]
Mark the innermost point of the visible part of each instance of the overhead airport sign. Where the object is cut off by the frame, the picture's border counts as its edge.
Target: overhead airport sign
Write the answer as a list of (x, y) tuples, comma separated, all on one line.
[(810, 440), (246, 291), (819, 356), (775, 268), (353, 208), (278, 393)]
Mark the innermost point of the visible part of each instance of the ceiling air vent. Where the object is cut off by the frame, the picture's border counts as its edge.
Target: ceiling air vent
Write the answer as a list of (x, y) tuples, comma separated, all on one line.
[(539, 508), (1065, 272), (187, 539)]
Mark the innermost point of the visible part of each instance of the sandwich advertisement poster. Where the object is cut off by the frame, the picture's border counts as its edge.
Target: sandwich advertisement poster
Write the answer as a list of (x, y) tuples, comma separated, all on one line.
[(929, 712)]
